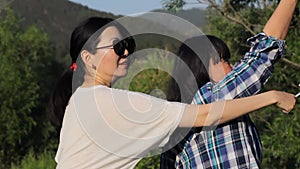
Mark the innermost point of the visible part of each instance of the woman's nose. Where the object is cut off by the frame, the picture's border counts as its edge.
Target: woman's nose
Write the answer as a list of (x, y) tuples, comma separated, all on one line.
[(126, 53)]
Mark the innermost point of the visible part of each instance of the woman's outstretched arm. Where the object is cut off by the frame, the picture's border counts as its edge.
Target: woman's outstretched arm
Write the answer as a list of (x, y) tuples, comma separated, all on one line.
[(280, 20), (223, 111)]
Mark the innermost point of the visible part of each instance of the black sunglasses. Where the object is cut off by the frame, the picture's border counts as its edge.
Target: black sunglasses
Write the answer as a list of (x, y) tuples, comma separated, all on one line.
[(120, 46)]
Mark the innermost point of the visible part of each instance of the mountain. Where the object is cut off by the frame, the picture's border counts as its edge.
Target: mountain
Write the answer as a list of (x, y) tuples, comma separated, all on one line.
[(195, 16), (56, 17), (59, 17)]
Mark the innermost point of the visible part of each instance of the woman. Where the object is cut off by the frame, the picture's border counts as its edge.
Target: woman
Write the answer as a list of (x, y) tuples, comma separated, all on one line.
[(102, 127)]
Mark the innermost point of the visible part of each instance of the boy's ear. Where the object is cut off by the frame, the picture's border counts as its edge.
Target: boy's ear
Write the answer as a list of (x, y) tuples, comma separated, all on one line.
[(86, 57)]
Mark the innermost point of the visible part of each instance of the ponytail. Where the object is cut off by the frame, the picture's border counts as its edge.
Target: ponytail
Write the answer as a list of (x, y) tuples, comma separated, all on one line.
[(60, 98), (70, 80)]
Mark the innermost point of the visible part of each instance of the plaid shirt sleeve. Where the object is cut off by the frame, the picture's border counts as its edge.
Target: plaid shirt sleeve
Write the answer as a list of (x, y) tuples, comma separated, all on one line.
[(248, 76)]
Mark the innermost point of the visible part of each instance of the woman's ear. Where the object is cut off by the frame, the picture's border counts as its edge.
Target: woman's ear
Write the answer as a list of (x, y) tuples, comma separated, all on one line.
[(86, 57)]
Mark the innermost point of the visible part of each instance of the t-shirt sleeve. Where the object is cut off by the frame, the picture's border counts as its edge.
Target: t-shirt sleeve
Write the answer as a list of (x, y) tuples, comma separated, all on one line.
[(126, 123)]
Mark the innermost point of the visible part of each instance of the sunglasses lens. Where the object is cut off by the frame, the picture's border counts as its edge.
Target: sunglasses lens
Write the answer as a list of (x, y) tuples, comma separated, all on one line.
[(130, 44), (120, 47)]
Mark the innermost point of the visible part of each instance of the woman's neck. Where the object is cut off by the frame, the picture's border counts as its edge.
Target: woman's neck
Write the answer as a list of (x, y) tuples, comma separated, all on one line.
[(93, 80)]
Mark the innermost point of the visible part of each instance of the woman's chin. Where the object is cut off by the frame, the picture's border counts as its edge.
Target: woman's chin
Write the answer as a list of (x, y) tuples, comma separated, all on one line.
[(119, 74)]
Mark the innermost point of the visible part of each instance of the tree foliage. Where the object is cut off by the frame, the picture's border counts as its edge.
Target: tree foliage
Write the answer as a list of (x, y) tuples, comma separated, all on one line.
[(44, 160), (236, 20), (173, 5), (24, 56)]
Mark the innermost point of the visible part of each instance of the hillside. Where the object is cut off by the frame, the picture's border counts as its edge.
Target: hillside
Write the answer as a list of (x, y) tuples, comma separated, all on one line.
[(195, 15), (56, 17), (59, 17)]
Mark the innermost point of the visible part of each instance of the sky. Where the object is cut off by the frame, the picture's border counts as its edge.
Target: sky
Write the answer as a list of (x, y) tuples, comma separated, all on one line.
[(128, 7)]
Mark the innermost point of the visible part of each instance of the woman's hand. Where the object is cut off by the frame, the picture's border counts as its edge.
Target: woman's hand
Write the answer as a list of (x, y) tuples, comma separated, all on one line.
[(285, 101)]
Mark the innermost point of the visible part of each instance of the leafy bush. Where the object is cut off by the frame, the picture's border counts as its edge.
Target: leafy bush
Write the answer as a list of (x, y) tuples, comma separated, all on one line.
[(25, 56), (149, 74), (41, 161), (149, 163)]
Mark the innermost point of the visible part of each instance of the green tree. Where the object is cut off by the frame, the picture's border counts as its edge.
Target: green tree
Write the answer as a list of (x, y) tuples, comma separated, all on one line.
[(236, 20), (25, 54)]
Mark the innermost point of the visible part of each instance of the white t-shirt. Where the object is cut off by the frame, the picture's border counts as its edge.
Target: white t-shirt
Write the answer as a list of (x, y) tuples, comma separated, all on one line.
[(112, 128)]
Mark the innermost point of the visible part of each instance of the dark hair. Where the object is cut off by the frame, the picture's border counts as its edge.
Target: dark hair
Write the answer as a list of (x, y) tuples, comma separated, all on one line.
[(190, 71), (221, 48), (80, 39), (194, 54)]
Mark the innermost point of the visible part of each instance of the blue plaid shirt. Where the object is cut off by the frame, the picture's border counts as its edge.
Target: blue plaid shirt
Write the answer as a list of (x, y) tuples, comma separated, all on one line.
[(235, 144)]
